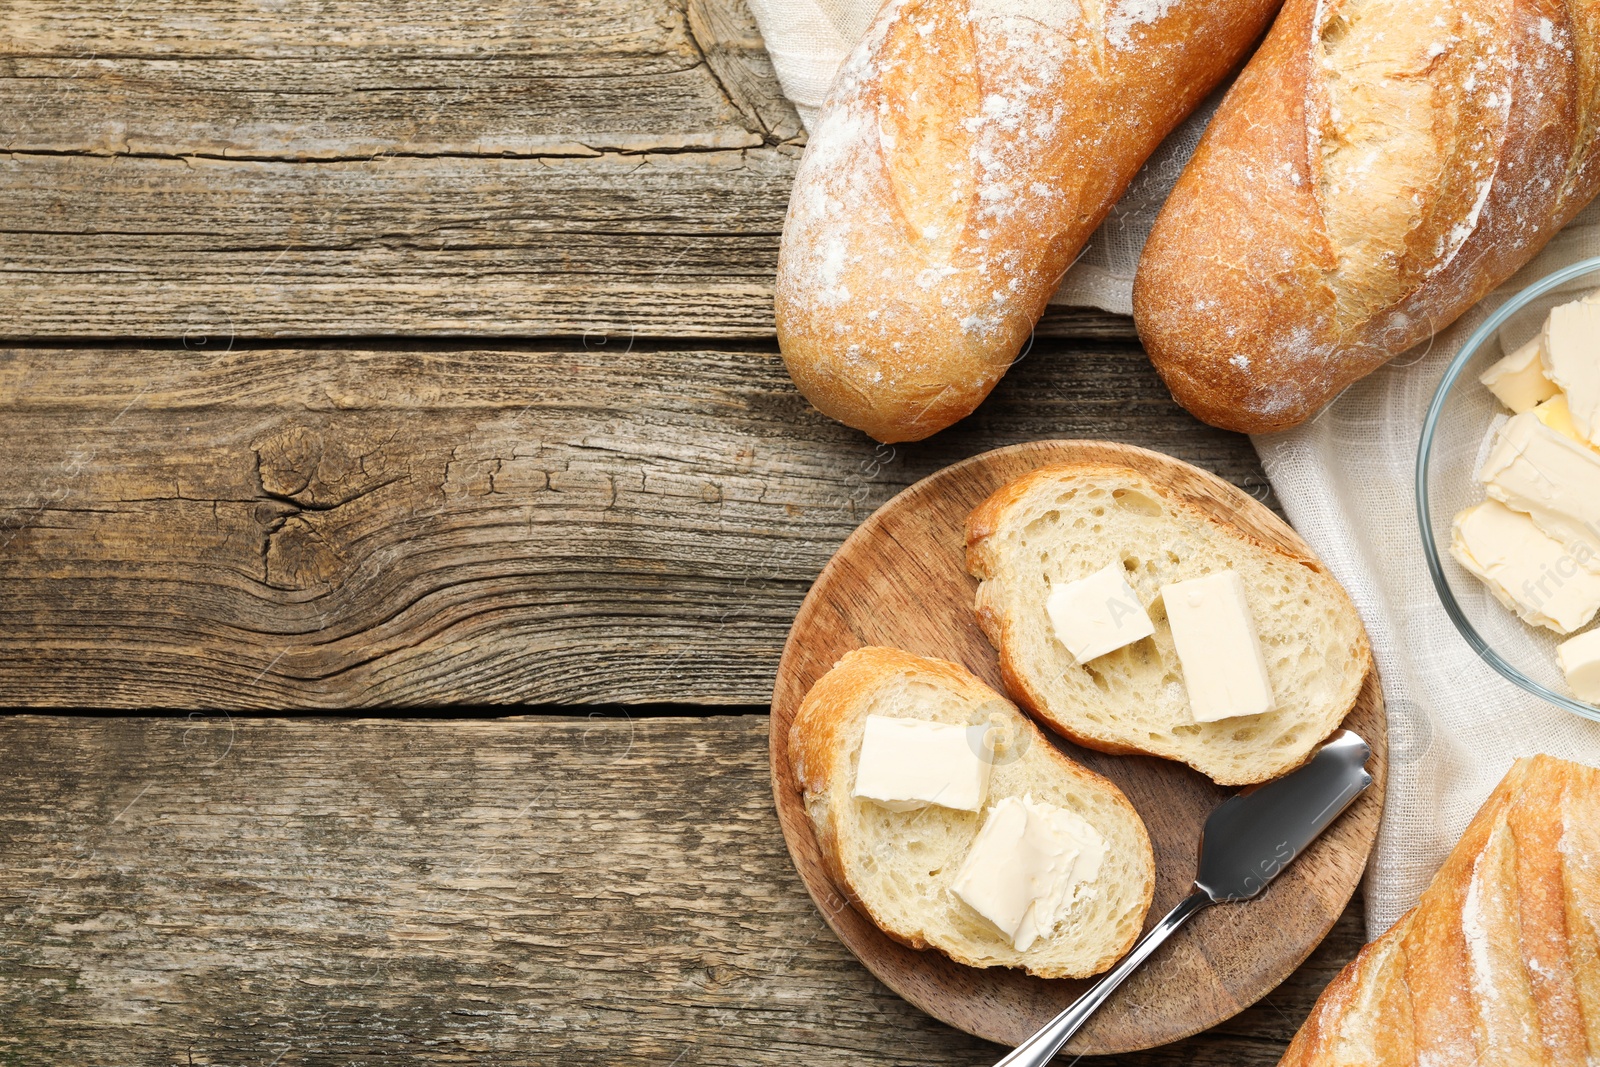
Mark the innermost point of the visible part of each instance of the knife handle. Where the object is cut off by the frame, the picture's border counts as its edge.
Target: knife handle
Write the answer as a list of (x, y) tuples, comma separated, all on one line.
[(1041, 1048)]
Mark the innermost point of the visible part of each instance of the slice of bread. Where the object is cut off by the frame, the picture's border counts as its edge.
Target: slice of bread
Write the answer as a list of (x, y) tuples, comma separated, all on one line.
[(897, 867), (1062, 523)]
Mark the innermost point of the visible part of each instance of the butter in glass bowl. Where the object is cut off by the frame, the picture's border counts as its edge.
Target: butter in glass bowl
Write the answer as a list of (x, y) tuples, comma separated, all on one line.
[(1508, 489)]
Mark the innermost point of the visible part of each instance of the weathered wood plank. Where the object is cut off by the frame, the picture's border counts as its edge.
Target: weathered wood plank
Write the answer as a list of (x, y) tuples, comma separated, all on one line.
[(553, 891), (302, 108), (354, 79), (628, 76), (331, 527), (676, 244), (730, 40), (357, 168), (243, 29), (310, 168)]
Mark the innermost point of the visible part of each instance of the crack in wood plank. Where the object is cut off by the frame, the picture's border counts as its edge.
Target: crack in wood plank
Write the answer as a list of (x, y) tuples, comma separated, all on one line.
[(344, 526), (569, 150)]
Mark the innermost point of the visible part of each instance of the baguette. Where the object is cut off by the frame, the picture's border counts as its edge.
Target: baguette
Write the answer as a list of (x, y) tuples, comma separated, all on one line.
[(966, 152), (1376, 170), (1062, 523), (897, 868), (1497, 963)]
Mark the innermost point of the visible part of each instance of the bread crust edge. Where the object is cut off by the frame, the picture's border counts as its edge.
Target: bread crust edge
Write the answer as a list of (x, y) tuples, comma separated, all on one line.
[(814, 752), (982, 524)]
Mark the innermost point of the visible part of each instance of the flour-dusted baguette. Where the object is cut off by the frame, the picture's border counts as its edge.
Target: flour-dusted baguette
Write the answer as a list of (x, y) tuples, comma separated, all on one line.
[(898, 867), (1499, 962), (967, 151), (1378, 168), (1062, 523)]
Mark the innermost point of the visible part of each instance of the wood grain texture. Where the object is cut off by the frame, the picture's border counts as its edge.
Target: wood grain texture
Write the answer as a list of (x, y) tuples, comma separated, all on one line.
[(333, 527), (349, 79), (901, 581), (355, 168), (493, 892)]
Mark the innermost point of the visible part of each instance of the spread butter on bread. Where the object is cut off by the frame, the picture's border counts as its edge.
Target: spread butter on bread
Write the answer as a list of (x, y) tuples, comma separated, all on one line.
[(907, 869), (1061, 523)]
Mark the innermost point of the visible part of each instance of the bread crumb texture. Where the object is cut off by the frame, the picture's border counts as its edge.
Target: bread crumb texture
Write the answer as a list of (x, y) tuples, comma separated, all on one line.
[(897, 868), (1061, 524)]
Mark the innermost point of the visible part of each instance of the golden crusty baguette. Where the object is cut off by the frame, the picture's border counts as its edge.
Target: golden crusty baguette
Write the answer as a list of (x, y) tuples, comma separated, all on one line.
[(965, 154), (1497, 963), (896, 868), (1378, 167)]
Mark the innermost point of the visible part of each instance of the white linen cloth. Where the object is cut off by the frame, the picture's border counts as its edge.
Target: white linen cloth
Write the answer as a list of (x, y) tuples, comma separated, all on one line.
[(1345, 480)]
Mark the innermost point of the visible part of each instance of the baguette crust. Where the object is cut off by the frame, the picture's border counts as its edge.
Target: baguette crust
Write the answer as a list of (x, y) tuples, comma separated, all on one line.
[(1497, 963), (1377, 169), (822, 742), (1007, 614), (966, 153)]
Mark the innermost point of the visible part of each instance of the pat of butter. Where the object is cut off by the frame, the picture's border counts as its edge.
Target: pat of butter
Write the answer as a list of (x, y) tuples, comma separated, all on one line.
[(1027, 865), (911, 763), (1518, 381), (1529, 572), (1580, 662), (1555, 414), (1223, 666), (1553, 478), (1098, 614), (1571, 358)]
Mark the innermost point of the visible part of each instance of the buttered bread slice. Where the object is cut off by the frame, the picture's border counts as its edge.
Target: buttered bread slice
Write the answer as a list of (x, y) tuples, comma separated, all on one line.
[(951, 822), (1268, 657)]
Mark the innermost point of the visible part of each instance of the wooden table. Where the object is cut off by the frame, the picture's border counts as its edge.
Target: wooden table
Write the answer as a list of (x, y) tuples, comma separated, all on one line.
[(419, 355)]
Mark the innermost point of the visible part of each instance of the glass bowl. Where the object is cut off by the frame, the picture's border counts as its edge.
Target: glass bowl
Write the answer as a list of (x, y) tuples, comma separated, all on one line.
[(1455, 439)]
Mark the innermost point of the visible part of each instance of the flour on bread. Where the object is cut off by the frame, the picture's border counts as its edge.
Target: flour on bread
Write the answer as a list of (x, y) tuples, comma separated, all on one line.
[(1060, 15), (1496, 964), (967, 150), (1378, 167), (1123, 16)]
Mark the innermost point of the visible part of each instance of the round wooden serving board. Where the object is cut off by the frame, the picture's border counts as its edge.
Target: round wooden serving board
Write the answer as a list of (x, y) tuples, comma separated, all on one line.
[(901, 580)]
